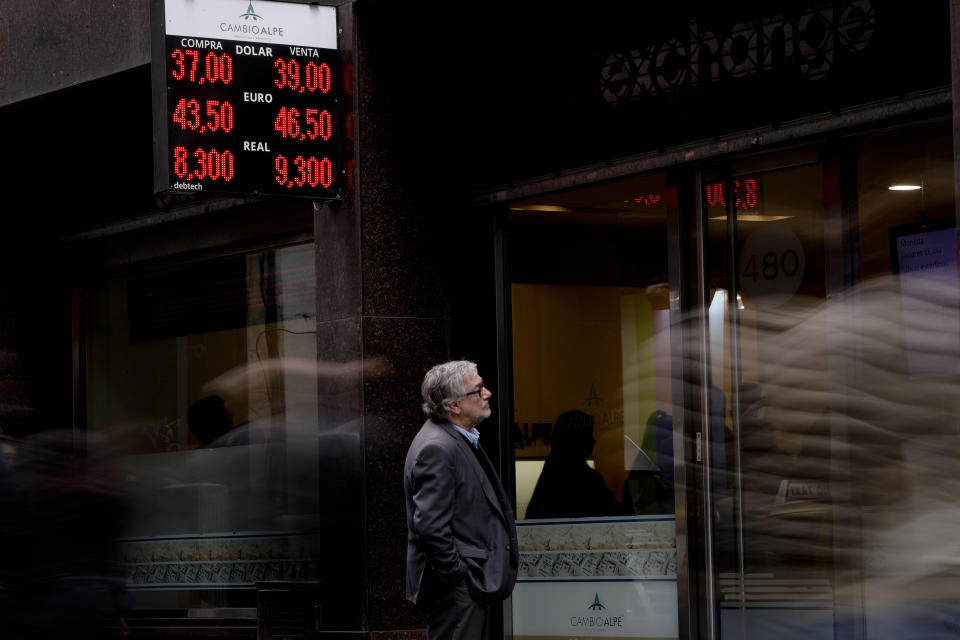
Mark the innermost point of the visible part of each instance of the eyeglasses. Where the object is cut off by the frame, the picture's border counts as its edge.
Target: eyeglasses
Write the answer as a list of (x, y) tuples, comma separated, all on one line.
[(477, 392)]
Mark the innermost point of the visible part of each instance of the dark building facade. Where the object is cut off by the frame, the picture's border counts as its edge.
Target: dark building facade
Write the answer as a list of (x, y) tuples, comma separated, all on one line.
[(704, 255)]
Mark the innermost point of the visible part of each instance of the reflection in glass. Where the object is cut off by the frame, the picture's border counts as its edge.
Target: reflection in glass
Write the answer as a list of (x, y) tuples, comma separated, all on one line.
[(202, 395), (837, 501)]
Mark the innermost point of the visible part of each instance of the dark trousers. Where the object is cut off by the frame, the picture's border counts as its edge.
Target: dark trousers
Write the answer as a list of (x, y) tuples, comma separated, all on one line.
[(454, 615)]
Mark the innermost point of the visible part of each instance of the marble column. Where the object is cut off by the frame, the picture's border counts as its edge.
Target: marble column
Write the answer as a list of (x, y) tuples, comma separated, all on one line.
[(381, 305)]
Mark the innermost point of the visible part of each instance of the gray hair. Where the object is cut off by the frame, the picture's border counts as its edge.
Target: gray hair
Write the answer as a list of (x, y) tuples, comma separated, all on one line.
[(445, 383)]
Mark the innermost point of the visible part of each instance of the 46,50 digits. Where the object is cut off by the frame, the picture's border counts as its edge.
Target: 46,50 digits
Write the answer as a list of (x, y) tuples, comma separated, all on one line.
[(312, 124)]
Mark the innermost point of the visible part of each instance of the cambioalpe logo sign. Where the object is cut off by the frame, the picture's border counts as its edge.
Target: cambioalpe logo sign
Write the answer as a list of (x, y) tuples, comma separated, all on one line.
[(596, 623), (250, 23)]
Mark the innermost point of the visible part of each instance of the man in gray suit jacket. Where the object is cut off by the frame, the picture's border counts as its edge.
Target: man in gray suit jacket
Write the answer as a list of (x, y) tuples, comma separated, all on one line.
[(461, 532)]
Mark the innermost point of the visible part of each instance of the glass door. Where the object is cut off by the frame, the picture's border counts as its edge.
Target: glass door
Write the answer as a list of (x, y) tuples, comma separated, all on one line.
[(593, 417), (772, 454), (834, 360)]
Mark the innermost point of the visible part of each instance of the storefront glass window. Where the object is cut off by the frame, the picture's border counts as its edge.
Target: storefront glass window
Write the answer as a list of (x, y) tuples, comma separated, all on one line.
[(201, 388), (837, 363), (905, 439), (592, 426)]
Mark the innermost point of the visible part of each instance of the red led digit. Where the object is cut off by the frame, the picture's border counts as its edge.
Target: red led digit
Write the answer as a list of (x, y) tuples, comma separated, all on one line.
[(213, 115), (281, 68), (282, 166), (301, 176), (211, 67), (293, 125), (312, 174), (326, 125), (194, 56), (348, 127), (201, 171), (313, 122), (214, 164), (226, 68), (326, 173), (715, 195), (193, 114), (180, 113), (348, 79), (293, 75), (180, 168), (751, 195), (323, 77), (226, 170), (178, 70), (226, 117)]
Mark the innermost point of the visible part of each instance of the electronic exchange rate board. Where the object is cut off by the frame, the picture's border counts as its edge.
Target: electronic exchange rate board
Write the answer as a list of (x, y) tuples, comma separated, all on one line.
[(247, 98)]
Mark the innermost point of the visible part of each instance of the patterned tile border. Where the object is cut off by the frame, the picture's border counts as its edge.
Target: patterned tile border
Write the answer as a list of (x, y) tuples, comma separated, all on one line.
[(219, 561), (619, 535), (599, 564), (635, 548)]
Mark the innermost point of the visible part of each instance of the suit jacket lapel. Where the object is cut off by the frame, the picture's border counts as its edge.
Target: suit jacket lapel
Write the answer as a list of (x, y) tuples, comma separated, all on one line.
[(500, 498), (474, 464)]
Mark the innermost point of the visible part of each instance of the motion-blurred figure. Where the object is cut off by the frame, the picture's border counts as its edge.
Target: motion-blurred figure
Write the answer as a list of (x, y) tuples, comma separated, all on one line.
[(848, 459), (60, 574)]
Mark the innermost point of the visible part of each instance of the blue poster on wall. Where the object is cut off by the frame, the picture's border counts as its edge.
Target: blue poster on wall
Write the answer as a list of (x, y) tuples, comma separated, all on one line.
[(924, 255)]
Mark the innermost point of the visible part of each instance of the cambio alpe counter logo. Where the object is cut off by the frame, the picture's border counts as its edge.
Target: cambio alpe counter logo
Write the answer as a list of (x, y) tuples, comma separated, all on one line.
[(250, 14), (596, 622)]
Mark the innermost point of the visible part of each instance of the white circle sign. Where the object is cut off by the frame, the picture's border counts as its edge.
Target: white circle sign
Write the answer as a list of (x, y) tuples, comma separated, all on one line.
[(771, 265)]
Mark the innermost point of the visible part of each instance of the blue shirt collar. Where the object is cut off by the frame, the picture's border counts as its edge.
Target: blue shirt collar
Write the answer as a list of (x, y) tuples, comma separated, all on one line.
[(473, 435)]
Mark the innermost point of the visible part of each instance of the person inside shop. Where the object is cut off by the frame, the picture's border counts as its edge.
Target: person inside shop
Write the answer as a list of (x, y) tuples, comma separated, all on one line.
[(568, 486), (462, 555), (648, 488), (212, 424), (209, 419)]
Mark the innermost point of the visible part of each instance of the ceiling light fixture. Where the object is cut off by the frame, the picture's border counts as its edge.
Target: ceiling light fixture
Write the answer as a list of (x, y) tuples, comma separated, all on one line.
[(904, 187), (752, 217), (543, 207)]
